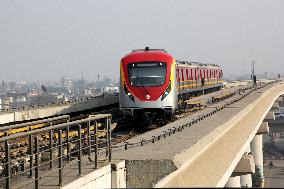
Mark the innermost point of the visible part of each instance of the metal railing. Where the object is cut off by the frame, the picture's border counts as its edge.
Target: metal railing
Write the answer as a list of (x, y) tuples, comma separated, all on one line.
[(60, 144), (8, 127)]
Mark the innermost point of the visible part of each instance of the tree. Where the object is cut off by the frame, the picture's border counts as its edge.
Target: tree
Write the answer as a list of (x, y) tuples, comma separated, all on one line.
[(256, 178)]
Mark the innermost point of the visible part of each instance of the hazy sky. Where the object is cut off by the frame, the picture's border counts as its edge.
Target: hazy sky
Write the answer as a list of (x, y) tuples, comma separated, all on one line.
[(44, 40)]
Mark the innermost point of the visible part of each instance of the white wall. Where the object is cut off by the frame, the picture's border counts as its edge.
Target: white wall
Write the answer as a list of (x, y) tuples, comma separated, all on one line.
[(104, 177)]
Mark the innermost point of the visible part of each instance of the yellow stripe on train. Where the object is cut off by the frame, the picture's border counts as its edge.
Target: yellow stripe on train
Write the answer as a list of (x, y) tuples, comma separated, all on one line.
[(193, 85)]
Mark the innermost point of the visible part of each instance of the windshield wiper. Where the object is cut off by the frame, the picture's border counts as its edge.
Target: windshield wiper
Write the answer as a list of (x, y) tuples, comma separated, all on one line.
[(142, 84)]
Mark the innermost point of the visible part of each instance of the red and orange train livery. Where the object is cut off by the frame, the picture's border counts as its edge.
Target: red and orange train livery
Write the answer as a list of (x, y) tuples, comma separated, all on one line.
[(152, 81)]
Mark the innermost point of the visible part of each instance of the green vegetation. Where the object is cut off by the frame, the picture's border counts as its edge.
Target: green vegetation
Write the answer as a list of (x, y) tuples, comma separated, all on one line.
[(257, 178)]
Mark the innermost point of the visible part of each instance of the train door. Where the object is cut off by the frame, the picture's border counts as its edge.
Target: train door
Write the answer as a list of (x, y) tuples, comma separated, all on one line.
[(182, 79), (208, 77), (214, 77), (191, 78), (201, 76), (187, 79), (178, 80), (217, 77), (196, 77)]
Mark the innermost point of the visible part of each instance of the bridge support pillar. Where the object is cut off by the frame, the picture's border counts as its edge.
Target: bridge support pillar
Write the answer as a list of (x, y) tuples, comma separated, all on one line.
[(256, 149), (233, 182), (256, 145), (241, 176), (246, 180)]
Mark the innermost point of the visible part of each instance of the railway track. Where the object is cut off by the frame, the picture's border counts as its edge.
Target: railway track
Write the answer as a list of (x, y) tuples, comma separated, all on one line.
[(121, 131)]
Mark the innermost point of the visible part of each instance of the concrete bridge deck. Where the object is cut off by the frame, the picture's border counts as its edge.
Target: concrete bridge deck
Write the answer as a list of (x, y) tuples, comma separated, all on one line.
[(147, 164), (201, 154)]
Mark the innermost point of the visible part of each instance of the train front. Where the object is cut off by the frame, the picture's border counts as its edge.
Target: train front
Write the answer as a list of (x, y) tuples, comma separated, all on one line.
[(147, 84)]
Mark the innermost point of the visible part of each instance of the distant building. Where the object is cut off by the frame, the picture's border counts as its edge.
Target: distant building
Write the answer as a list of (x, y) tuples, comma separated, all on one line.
[(33, 93), (6, 102), (89, 92), (109, 89), (2, 83), (42, 99)]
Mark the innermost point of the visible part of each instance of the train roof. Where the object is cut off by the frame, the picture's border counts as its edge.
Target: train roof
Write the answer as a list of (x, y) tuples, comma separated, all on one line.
[(151, 52), (196, 63), (148, 50), (164, 52)]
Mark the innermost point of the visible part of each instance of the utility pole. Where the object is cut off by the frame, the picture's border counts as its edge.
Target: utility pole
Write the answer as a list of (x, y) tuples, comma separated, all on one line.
[(253, 74), (252, 69), (83, 84)]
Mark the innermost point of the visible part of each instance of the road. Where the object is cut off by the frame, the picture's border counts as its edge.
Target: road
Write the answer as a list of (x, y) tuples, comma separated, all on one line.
[(275, 176)]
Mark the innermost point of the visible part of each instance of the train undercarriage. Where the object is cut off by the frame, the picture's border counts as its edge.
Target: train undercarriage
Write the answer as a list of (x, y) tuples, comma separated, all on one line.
[(147, 117)]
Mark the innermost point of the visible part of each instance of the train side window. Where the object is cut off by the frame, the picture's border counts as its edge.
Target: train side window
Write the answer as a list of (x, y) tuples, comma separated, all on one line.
[(191, 77), (178, 75), (182, 76), (217, 74), (208, 76), (186, 74)]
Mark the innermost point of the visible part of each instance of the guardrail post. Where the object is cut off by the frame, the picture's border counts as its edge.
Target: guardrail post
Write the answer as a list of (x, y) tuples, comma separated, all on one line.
[(7, 166), (60, 153), (51, 148), (68, 143), (89, 137), (96, 145), (23, 165), (108, 122), (31, 152), (80, 150), (36, 163)]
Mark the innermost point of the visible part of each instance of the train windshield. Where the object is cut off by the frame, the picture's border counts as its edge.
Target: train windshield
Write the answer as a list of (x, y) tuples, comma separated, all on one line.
[(142, 74)]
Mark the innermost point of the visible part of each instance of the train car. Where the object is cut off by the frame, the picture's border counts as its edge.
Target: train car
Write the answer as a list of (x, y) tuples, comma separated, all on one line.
[(153, 82)]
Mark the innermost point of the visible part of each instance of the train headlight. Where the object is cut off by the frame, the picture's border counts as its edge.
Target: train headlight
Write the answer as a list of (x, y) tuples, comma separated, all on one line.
[(148, 97), (167, 91), (128, 93)]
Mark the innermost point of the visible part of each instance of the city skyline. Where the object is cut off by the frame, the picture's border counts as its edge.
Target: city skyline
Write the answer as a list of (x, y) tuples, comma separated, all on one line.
[(43, 41)]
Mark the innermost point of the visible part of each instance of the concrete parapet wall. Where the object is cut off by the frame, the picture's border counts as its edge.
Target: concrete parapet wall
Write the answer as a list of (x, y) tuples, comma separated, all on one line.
[(109, 176), (211, 161), (46, 111), (118, 175), (100, 178), (7, 117)]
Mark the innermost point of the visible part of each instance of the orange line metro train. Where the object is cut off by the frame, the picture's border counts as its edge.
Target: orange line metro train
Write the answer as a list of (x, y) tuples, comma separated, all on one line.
[(153, 82)]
